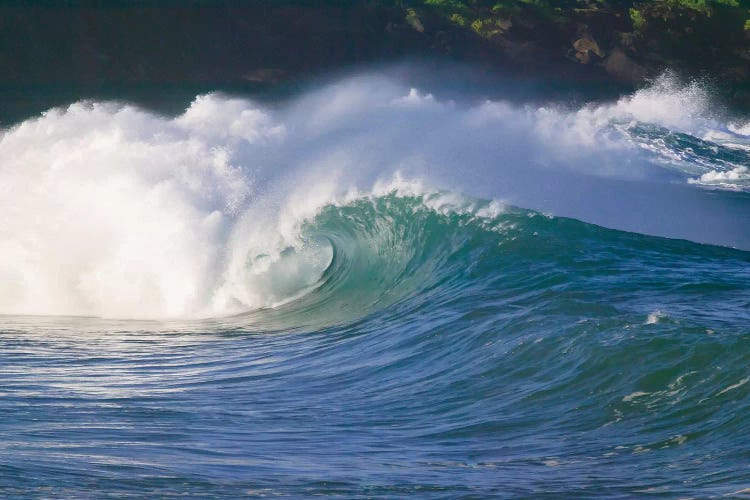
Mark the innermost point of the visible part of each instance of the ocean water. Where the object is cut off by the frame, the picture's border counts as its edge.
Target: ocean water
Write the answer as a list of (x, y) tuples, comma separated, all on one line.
[(368, 290)]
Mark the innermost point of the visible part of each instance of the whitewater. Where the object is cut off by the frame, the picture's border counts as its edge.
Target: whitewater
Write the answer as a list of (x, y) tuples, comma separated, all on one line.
[(374, 290)]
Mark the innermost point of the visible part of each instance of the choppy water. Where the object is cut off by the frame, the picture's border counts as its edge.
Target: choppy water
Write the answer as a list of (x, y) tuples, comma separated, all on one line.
[(340, 296)]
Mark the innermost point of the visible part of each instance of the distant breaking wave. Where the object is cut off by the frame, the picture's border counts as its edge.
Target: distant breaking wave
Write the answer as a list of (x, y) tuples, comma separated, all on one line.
[(231, 207)]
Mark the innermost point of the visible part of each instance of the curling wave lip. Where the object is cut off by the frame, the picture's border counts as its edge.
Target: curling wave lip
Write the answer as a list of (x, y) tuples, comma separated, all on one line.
[(110, 210)]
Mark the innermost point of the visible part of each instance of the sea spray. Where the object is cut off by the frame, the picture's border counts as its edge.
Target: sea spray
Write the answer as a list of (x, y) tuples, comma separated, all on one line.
[(370, 291), (111, 210)]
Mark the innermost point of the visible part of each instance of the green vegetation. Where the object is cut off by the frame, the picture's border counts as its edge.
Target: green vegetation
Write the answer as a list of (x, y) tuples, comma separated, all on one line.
[(492, 18), (471, 12), (627, 39), (639, 22), (623, 42)]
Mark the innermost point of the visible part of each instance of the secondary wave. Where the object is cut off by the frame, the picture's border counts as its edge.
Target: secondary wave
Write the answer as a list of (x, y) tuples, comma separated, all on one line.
[(110, 210)]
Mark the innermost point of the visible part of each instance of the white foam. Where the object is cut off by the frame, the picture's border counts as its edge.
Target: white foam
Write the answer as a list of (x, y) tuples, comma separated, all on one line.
[(113, 211), (732, 178), (414, 98), (734, 386), (634, 395), (666, 102), (654, 317)]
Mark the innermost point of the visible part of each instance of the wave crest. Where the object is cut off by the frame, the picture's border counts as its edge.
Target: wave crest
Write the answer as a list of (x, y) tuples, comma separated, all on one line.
[(113, 211)]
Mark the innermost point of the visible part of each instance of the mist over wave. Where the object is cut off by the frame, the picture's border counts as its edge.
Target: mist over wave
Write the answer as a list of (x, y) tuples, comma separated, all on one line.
[(114, 211)]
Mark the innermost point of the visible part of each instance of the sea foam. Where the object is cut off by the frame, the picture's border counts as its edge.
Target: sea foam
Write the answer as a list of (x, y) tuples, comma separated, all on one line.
[(111, 210)]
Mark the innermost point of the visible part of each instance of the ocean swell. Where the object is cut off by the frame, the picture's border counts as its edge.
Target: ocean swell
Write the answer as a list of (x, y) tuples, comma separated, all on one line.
[(110, 210)]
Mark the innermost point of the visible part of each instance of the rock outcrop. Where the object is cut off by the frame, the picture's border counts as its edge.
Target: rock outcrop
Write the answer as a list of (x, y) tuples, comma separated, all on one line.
[(157, 42)]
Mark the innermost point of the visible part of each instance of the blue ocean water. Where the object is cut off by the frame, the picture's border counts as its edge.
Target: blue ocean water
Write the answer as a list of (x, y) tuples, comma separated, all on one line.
[(372, 292)]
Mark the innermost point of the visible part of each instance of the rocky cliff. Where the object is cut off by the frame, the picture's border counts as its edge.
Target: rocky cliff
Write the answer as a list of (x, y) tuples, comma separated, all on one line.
[(147, 41)]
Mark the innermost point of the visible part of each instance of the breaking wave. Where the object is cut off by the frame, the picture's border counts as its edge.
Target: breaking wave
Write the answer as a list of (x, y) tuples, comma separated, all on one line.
[(111, 210)]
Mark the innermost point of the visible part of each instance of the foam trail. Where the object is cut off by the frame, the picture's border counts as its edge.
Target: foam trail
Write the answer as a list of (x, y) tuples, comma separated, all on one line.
[(110, 210)]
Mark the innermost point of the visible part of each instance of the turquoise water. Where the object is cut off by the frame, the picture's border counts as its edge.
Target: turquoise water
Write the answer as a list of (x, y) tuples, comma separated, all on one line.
[(398, 338)]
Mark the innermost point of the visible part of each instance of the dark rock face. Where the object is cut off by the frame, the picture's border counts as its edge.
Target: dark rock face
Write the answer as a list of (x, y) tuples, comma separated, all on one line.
[(586, 48), (172, 42), (622, 67), (184, 42)]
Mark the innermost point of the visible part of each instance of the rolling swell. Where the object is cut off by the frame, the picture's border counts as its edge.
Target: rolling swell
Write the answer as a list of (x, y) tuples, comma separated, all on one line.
[(520, 353), (333, 300), (396, 248), (448, 348), (391, 247), (113, 211)]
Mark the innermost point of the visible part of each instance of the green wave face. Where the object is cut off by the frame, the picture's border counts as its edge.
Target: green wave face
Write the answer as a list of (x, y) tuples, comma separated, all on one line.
[(395, 253), (510, 340), (325, 311), (449, 344)]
